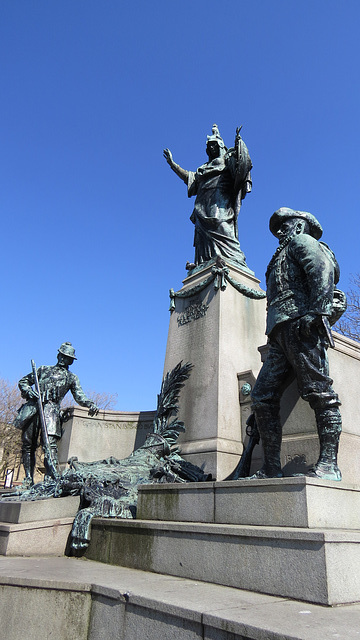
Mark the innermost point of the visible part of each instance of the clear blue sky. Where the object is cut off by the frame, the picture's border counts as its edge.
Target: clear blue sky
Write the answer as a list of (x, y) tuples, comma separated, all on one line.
[(95, 225)]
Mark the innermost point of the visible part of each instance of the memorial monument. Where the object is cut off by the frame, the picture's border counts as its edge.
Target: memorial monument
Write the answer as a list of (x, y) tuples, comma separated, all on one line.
[(218, 317), (293, 537)]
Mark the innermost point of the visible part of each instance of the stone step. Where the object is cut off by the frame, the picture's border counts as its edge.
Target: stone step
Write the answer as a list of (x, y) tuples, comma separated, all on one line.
[(314, 565), (37, 510), (45, 537), (84, 600), (283, 502), (38, 527)]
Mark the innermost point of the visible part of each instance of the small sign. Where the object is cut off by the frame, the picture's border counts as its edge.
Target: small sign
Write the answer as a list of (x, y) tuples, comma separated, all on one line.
[(8, 478)]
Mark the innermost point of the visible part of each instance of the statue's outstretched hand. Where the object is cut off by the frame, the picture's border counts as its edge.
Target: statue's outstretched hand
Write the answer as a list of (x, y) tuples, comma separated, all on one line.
[(168, 156), (93, 409)]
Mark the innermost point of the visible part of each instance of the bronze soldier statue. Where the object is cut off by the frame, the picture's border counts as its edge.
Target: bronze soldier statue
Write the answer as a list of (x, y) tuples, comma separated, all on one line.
[(300, 283), (54, 382), (220, 185)]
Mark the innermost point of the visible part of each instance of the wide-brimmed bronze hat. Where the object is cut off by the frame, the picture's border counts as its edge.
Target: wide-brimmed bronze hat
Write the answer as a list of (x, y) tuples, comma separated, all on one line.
[(68, 350), (284, 213)]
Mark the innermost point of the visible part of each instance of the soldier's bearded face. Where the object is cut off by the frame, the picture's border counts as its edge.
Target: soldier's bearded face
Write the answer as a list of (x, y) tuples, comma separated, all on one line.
[(287, 228)]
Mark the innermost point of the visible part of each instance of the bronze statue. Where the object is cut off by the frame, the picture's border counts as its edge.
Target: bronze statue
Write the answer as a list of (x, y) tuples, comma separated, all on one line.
[(109, 488), (300, 281), (54, 383), (220, 185)]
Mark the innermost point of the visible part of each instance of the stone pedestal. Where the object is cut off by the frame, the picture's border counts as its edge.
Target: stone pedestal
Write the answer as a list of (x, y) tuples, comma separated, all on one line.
[(110, 433), (219, 332), (275, 502), (297, 538), (36, 528)]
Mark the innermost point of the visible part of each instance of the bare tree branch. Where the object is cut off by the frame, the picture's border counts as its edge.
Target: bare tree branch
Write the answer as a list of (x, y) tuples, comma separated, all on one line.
[(102, 399), (349, 323), (10, 438)]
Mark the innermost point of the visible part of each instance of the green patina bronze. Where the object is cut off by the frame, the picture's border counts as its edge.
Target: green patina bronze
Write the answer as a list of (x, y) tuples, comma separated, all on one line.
[(41, 412), (220, 277), (219, 185), (109, 488), (302, 304)]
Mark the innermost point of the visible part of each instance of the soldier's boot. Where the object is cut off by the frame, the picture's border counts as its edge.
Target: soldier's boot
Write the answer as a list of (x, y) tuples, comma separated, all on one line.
[(268, 422), (54, 455), (28, 460), (328, 422)]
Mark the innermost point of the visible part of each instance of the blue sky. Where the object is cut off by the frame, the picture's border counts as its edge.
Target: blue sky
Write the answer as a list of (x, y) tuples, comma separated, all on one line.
[(95, 226)]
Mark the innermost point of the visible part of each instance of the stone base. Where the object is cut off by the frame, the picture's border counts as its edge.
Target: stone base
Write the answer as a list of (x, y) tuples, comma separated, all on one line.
[(293, 537), (321, 566), (217, 454), (110, 433), (280, 502), (39, 527), (37, 510), (48, 537), (218, 331), (68, 599)]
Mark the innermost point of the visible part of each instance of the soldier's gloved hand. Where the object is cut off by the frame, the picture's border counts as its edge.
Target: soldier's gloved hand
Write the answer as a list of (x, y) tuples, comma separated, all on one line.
[(93, 409), (32, 394), (307, 322), (66, 414)]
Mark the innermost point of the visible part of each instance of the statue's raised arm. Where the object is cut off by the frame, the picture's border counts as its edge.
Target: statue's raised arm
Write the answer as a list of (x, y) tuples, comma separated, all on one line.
[(182, 173), (219, 185)]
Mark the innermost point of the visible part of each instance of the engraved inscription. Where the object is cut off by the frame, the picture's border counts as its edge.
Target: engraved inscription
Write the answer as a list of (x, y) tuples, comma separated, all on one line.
[(103, 424), (192, 312)]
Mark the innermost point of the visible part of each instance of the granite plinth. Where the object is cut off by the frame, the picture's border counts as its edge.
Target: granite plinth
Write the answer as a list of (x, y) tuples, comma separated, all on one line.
[(77, 600), (291, 537), (37, 527), (321, 566), (35, 510), (110, 433), (219, 333), (284, 502), (45, 537)]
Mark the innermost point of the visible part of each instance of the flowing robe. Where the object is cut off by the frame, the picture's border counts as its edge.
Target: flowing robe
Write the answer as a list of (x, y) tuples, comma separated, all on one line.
[(219, 188)]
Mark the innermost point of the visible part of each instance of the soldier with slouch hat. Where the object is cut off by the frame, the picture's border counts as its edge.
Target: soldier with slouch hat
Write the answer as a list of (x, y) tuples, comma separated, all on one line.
[(300, 282), (54, 382)]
